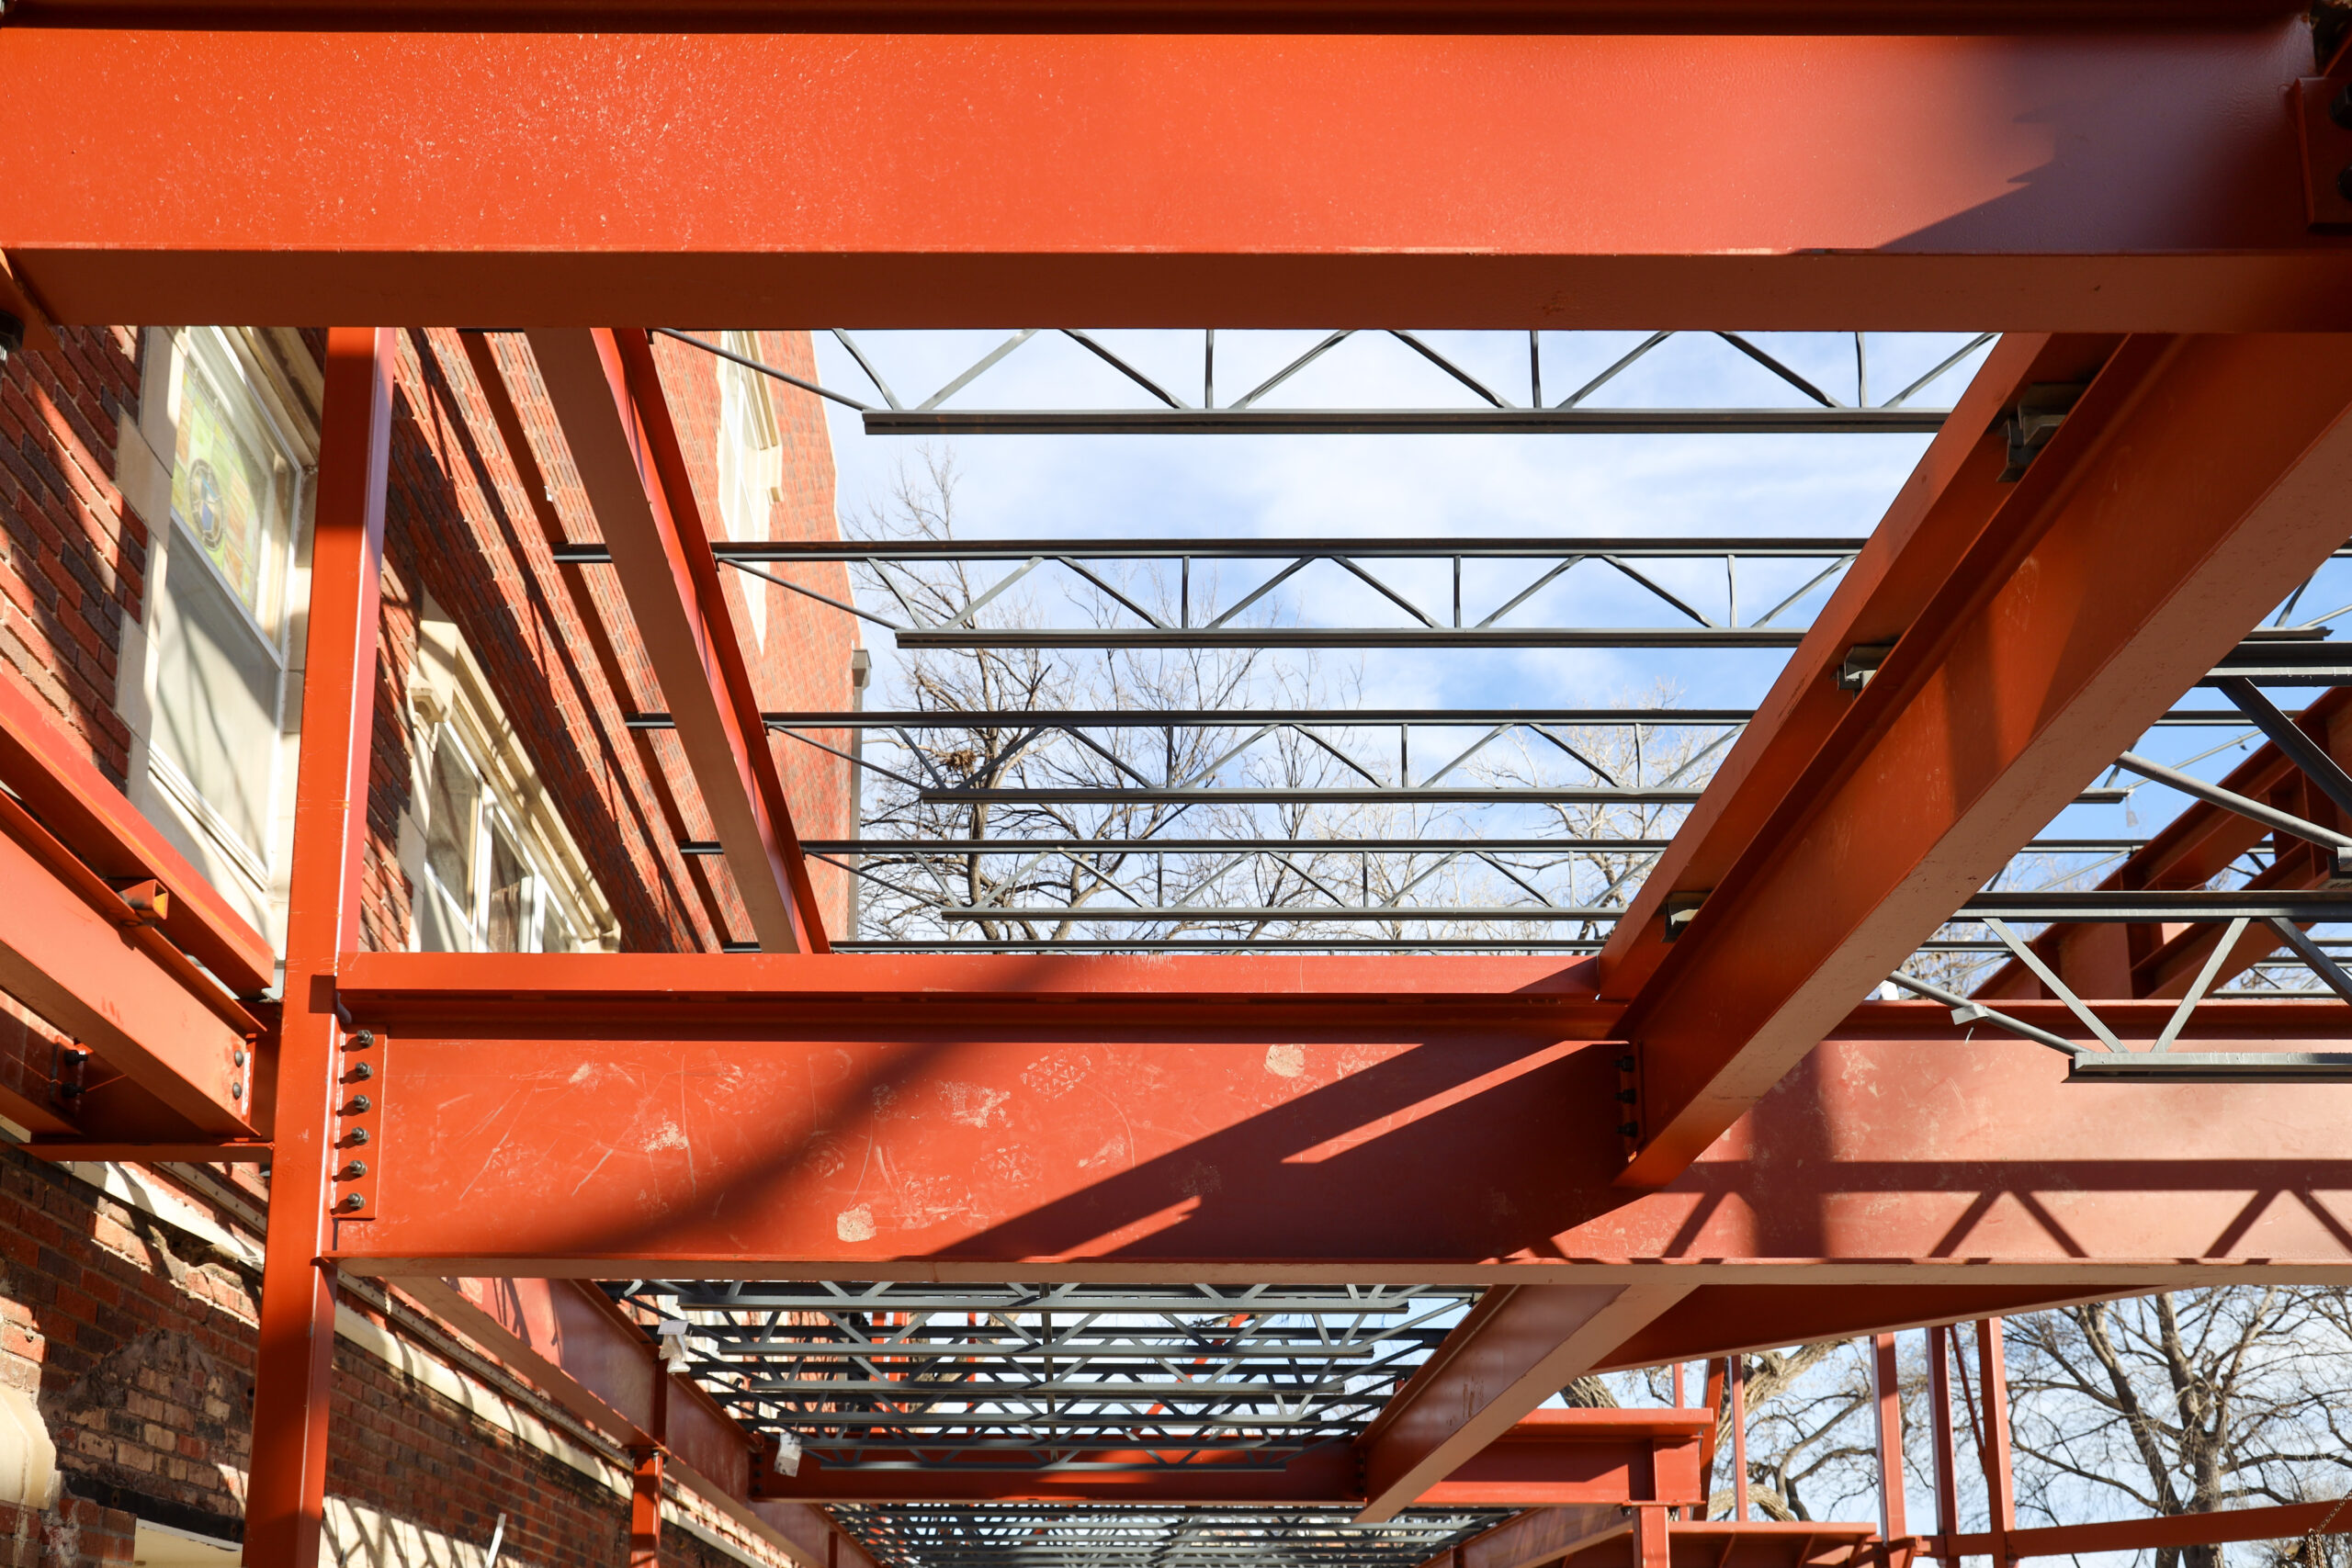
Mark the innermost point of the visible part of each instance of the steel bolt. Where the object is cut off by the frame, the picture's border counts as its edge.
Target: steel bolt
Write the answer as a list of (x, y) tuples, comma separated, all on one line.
[(237, 1058), (352, 1201), (353, 1172), (360, 1105), (361, 1040), (1626, 1097), (236, 1089), (1630, 1129), (2339, 108)]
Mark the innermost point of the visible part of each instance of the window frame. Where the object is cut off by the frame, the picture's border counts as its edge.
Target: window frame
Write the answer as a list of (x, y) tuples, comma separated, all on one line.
[(229, 368)]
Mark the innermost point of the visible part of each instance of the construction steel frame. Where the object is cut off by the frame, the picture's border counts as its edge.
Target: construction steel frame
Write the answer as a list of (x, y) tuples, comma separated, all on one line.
[(1693, 1142)]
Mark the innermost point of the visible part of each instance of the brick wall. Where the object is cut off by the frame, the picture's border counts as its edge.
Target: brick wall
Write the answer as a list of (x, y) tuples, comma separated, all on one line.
[(804, 662), (136, 1334), (134, 1330), (73, 555)]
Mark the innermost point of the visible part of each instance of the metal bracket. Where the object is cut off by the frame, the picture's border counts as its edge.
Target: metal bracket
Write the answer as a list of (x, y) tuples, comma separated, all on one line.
[(1861, 663), (2324, 128), (1681, 909), (2035, 419), (358, 1152)]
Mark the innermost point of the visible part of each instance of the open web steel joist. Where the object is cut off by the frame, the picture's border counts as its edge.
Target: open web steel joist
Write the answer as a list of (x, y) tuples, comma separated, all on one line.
[(1713, 1133)]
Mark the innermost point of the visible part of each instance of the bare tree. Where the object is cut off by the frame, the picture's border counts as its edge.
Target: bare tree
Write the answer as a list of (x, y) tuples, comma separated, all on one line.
[(933, 894), (2184, 1403)]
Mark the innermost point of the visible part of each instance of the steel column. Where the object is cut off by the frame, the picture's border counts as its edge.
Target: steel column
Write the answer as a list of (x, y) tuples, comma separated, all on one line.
[(1739, 1436), (1939, 1353), (1886, 1399), (295, 1368), (1992, 1447), (2192, 486), (645, 1508)]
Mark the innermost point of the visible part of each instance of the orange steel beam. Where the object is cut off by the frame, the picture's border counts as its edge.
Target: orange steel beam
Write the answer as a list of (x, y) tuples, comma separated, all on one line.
[(572, 1342), (609, 403), (1220, 15), (1717, 1319), (1520, 1346), (1731, 1543), (2281, 1522), (1326, 1132), (2127, 178), (491, 378), (295, 1368), (1537, 1536), (2194, 484), (73, 800), (1592, 1537), (89, 970), (1553, 1457)]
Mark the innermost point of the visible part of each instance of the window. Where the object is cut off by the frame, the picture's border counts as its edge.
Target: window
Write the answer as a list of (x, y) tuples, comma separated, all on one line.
[(481, 891), (238, 472), (751, 462), (491, 868)]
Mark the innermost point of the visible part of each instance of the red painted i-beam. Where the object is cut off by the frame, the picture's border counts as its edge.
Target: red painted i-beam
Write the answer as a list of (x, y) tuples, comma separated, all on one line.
[(2047, 623), (2142, 174)]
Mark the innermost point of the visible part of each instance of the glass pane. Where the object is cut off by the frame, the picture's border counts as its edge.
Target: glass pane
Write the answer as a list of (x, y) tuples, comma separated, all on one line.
[(555, 931), (231, 489), (216, 699), (451, 816), (509, 895)]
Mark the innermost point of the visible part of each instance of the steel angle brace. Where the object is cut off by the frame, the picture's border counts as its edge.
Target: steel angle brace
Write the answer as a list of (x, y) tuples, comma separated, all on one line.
[(2160, 1062), (2338, 845)]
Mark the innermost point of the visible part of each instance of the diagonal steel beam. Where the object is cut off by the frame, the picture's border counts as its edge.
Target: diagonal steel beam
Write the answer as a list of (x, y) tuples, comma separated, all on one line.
[(608, 400), (1521, 1345), (2018, 635)]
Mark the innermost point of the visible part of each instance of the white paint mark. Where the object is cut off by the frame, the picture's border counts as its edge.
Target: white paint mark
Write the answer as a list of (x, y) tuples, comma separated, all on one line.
[(1286, 1061), (854, 1224), (973, 1104)]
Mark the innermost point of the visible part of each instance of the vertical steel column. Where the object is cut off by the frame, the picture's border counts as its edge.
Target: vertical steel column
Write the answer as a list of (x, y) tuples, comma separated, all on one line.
[(1940, 1352), (1739, 1436), (1717, 1373), (294, 1373), (1651, 1549), (645, 1508), (1888, 1387), (2000, 1489)]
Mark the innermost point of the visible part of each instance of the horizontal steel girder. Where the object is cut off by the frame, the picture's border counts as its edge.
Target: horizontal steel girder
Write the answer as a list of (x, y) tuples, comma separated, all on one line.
[(2127, 178), (1551, 1458), (1268, 1118)]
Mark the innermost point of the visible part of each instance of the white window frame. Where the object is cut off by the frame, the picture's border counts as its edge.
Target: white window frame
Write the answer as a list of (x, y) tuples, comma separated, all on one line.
[(203, 351), (750, 463), (452, 705)]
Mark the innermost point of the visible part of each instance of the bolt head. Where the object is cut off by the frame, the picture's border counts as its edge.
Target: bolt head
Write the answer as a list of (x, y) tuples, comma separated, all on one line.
[(352, 1201), (2340, 107), (236, 1089)]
